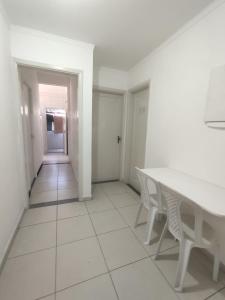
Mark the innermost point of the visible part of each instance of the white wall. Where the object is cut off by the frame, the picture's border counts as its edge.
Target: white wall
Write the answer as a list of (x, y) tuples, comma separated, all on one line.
[(29, 77), (12, 173), (179, 72), (110, 78), (52, 96), (73, 126), (61, 53)]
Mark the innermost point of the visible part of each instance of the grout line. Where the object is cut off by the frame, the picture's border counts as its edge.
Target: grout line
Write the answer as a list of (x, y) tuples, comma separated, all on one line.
[(107, 267), (32, 252), (78, 283), (167, 281), (56, 248), (60, 219), (73, 242), (30, 225), (128, 264), (43, 297), (210, 296), (95, 212), (132, 231)]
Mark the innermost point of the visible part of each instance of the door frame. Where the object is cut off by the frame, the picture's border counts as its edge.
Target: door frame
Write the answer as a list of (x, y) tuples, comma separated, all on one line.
[(122, 93), (79, 73), (129, 127), (30, 174)]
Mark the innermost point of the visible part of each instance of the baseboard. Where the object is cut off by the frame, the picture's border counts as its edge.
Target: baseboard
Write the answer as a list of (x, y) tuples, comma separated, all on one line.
[(131, 187), (11, 238), (39, 170), (105, 181)]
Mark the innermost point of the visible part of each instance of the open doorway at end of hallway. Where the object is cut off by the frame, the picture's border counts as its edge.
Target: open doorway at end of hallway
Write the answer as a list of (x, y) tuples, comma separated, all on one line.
[(49, 106), (54, 100), (56, 130)]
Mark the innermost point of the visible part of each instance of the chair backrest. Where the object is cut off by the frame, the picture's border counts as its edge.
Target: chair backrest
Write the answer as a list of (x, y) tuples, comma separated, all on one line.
[(173, 202), (149, 188)]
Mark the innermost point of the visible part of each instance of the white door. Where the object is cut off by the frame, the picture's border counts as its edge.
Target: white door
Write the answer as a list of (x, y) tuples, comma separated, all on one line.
[(138, 136), (27, 133), (106, 143)]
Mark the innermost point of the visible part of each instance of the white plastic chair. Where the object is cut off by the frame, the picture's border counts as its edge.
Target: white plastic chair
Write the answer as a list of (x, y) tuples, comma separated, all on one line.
[(180, 227), (151, 200)]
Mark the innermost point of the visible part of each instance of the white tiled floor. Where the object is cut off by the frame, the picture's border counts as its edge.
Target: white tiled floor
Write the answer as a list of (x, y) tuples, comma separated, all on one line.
[(90, 251), (54, 182), (56, 158)]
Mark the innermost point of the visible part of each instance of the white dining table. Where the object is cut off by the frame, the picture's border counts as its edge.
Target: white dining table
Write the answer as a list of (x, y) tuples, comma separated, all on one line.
[(204, 196)]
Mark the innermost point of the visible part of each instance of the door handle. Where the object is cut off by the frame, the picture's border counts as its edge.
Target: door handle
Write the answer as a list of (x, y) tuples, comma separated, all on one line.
[(118, 139)]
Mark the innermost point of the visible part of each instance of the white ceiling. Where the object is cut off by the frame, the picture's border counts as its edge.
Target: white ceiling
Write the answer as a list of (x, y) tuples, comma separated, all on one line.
[(124, 31)]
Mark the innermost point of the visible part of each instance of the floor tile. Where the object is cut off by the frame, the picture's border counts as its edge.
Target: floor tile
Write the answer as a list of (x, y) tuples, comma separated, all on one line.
[(97, 205), (123, 200), (67, 194), (121, 248), (39, 215), (73, 229), (65, 171), (67, 185), (99, 288), (79, 261), (52, 297), (44, 186), (71, 210), (218, 296), (97, 188), (66, 177), (56, 158), (50, 167), (107, 221), (47, 173), (134, 194), (129, 213), (141, 232), (99, 195), (198, 282), (20, 276), (115, 188), (48, 179), (33, 238), (141, 281), (44, 197)]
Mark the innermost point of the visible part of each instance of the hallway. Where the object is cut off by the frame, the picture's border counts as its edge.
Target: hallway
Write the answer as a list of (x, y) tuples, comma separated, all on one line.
[(55, 183)]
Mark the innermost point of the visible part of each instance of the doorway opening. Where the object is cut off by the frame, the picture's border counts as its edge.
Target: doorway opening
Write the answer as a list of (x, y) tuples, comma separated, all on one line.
[(56, 130), (49, 106), (54, 109)]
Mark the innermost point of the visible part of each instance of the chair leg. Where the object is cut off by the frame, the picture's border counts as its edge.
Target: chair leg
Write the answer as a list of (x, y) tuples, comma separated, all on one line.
[(216, 265), (163, 234), (138, 214), (184, 255), (151, 220)]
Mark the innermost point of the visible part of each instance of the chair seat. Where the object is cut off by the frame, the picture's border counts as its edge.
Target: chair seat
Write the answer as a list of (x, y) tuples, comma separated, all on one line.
[(208, 234)]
